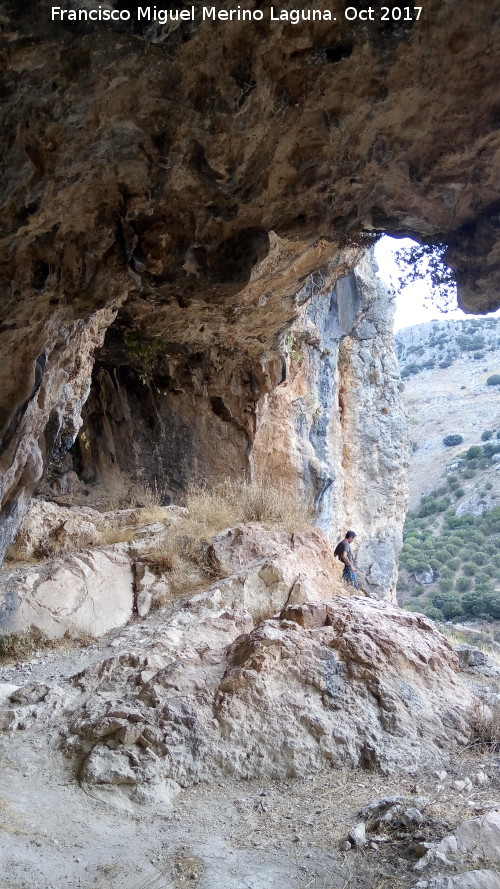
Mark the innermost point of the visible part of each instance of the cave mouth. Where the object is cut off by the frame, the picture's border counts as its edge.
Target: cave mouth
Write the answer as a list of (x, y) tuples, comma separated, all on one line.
[(420, 300)]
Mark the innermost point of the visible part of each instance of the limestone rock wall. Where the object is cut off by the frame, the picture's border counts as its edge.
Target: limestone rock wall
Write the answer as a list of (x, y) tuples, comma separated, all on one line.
[(336, 429), (47, 376), (324, 417)]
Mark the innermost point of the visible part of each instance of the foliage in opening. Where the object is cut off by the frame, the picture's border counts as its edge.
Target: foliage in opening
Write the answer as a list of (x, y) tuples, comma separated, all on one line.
[(425, 262)]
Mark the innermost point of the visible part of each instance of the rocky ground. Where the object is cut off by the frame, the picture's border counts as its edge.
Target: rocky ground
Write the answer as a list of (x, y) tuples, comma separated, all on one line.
[(321, 743), (258, 833)]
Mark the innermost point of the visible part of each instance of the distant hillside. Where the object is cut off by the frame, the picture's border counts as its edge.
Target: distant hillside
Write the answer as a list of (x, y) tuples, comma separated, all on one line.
[(445, 366), (450, 564), (441, 343)]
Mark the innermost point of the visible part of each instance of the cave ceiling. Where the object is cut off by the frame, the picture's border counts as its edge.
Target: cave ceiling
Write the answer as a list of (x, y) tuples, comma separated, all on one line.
[(172, 163)]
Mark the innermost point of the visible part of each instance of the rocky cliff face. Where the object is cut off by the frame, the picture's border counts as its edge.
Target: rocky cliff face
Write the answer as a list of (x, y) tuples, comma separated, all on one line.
[(324, 418), (177, 187)]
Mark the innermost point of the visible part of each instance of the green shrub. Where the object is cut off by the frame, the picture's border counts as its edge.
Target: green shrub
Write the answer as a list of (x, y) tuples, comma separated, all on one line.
[(429, 507), (409, 370), (445, 584), (459, 493), (440, 492), (473, 452), (453, 521), (462, 584), (486, 435), (447, 573), (454, 564), (433, 613), (494, 380), (490, 449), (482, 579), (448, 603), (481, 603), (469, 569), (453, 549), (422, 567), (452, 440), (469, 473), (461, 534), (443, 554), (469, 553)]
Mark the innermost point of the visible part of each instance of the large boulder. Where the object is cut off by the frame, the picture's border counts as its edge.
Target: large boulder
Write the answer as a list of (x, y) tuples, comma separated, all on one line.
[(89, 593), (351, 682), (480, 837), (277, 567)]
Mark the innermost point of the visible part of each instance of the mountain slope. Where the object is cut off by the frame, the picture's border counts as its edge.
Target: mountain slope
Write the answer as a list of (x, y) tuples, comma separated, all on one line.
[(450, 563)]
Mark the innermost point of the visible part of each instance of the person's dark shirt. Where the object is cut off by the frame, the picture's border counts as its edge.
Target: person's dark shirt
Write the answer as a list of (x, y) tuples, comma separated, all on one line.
[(341, 548)]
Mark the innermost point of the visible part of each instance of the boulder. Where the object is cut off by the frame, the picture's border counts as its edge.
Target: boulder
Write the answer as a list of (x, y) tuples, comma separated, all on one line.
[(301, 564), (150, 590), (480, 837), (425, 577), (471, 657), (88, 593), (48, 528), (366, 684)]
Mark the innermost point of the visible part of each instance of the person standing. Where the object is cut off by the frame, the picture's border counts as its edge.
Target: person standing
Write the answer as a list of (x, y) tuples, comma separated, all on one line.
[(344, 553)]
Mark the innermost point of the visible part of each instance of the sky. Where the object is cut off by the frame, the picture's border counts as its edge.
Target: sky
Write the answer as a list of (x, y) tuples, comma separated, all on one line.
[(410, 306)]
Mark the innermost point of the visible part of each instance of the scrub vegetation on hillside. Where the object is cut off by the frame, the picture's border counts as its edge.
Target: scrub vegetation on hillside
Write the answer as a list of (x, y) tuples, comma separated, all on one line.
[(450, 564), (442, 349)]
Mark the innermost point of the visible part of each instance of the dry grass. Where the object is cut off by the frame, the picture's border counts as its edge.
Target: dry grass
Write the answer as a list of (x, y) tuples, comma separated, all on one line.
[(16, 554), (20, 646), (485, 727), (186, 556), (110, 531), (111, 535), (23, 646), (122, 497), (212, 510)]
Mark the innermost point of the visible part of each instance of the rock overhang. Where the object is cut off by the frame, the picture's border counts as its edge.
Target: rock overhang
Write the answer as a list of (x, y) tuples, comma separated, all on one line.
[(195, 187)]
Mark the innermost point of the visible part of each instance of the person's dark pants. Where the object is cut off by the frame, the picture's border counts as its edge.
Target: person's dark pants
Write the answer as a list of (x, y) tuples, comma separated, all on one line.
[(349, 576)]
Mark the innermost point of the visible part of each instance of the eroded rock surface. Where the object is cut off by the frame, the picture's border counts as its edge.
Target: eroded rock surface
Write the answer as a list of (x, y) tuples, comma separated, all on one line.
[(86, 593), (213, 696), (91, 591)]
